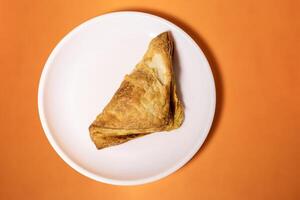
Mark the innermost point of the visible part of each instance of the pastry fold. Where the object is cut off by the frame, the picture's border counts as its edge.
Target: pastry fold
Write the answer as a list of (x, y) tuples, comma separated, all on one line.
[(145, 102)]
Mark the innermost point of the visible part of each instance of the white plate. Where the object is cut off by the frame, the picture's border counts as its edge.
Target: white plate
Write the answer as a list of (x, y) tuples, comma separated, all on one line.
[(83, 72)]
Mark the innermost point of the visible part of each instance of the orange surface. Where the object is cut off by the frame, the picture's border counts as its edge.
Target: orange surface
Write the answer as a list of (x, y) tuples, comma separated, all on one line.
[(252, 151)]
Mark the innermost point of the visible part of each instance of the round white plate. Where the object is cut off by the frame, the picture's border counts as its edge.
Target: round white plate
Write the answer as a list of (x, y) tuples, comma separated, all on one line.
[(83, 72)]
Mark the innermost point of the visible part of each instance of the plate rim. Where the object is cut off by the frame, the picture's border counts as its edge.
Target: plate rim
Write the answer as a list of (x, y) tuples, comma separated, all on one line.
[(97, 177)]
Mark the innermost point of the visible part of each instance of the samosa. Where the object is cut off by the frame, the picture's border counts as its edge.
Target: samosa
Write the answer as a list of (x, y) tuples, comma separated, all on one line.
[(146, 101)]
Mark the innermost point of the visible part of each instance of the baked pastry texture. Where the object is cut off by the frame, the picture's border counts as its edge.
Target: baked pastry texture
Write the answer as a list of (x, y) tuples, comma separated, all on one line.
[(145, 102)]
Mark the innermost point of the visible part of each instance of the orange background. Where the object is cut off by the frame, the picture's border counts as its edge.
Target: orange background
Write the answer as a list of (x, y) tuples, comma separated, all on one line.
[(252, 151)]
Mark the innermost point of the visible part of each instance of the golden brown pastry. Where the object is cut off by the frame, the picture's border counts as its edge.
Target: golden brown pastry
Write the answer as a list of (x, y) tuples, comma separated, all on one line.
[(146, 101)]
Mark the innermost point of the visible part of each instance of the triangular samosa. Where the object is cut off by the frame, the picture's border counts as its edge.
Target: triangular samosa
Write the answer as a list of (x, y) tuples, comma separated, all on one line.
[(146, 101)]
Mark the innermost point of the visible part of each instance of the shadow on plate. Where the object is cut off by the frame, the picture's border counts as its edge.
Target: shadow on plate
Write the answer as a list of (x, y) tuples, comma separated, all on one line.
[(213, 64)]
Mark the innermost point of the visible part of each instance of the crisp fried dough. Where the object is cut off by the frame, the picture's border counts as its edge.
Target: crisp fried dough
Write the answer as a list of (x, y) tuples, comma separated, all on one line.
[(145, 102)]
